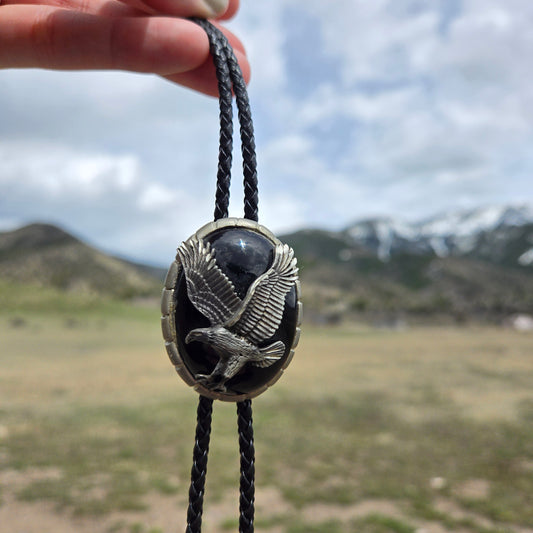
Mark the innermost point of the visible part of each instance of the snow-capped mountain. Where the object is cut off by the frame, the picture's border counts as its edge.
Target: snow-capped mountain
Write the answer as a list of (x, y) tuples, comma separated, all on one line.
[(466, 264), (482, 231), (468, 222)]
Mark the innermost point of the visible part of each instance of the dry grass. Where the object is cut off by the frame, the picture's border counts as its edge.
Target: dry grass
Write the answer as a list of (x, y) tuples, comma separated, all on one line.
[(54, 361), (484, 372), (368, 430)]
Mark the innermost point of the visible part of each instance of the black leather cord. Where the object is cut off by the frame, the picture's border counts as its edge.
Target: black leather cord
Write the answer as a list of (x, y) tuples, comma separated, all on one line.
[(226, 64), (218, 52), (199, 465), (229, 77), (247, 452), (249, 160)]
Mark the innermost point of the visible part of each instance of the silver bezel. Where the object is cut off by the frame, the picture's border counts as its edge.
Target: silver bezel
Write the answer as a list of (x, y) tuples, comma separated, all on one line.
[(168, 308)]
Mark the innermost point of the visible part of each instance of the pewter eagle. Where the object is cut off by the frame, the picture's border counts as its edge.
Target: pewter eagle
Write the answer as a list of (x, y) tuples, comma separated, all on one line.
[(238, 327)]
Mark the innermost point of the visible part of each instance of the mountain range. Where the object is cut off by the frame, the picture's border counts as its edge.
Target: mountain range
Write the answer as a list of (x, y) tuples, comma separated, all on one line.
[(464, 265), (483, 232)]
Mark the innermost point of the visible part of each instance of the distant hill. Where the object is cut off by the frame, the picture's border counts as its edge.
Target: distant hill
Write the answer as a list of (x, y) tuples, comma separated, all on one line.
[(44, 255), (469, 264)]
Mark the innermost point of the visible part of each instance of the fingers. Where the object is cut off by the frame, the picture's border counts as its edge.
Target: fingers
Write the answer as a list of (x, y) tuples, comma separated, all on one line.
[(49, 37), (45, 36), (203, 78), (233, 7), (221, 9)]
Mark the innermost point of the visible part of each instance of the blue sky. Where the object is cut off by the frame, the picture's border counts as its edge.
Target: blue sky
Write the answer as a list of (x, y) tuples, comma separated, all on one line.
[(400, 108)]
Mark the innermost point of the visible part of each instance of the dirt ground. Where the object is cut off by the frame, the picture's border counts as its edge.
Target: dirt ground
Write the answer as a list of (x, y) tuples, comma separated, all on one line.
[(167, 514)]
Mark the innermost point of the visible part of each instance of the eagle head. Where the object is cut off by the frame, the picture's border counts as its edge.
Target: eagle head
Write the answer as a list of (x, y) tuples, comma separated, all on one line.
[(200, 334)]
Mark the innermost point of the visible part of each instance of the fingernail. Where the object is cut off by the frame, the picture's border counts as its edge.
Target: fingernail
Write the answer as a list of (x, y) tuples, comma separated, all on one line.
[(217, 7)]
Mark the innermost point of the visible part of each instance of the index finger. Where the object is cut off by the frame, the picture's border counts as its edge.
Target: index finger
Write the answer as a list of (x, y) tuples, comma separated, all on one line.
[(50, 37)]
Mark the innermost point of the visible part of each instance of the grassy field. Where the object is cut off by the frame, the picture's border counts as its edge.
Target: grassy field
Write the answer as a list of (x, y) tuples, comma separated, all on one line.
[(425, 430)]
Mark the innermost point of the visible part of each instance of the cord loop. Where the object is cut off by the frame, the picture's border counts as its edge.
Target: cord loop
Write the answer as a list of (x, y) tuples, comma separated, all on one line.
[(230, 77)]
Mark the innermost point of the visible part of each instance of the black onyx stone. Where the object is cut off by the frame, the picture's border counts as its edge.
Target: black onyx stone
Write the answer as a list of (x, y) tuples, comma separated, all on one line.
[(243, 254)]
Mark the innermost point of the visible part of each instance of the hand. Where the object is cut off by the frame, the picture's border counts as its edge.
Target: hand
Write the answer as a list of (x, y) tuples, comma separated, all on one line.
[(134, 35)]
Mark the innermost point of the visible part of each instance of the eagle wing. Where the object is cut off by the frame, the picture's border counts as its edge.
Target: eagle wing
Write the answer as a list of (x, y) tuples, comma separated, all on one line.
[(208, 288), (262, 309)]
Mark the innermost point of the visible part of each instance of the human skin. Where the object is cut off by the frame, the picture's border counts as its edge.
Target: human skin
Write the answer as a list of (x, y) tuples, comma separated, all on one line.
[(151, 36)]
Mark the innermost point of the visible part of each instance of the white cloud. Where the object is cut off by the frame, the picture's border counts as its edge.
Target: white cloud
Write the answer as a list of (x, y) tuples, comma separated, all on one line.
[(439, 102), (105, 197), (261, 31)]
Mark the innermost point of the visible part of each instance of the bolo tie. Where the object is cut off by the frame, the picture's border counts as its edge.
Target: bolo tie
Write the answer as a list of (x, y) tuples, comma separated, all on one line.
[(231, 301)]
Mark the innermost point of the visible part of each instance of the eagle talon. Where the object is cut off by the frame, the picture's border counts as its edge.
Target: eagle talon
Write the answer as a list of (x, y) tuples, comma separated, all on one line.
[(203, 379), (207, 381)]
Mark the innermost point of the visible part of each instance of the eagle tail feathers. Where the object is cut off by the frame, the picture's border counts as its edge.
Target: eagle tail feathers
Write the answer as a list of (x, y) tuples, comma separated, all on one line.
[(270, 354)]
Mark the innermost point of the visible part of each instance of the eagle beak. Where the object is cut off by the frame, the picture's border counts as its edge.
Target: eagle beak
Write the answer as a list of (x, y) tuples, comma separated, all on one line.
[(194, 335)]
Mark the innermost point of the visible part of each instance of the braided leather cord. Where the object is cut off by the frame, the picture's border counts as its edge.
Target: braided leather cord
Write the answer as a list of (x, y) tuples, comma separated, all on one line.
[(249, 161), (225, 152), (199, 465), (247, 484), (229, 75), (226, 62)]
